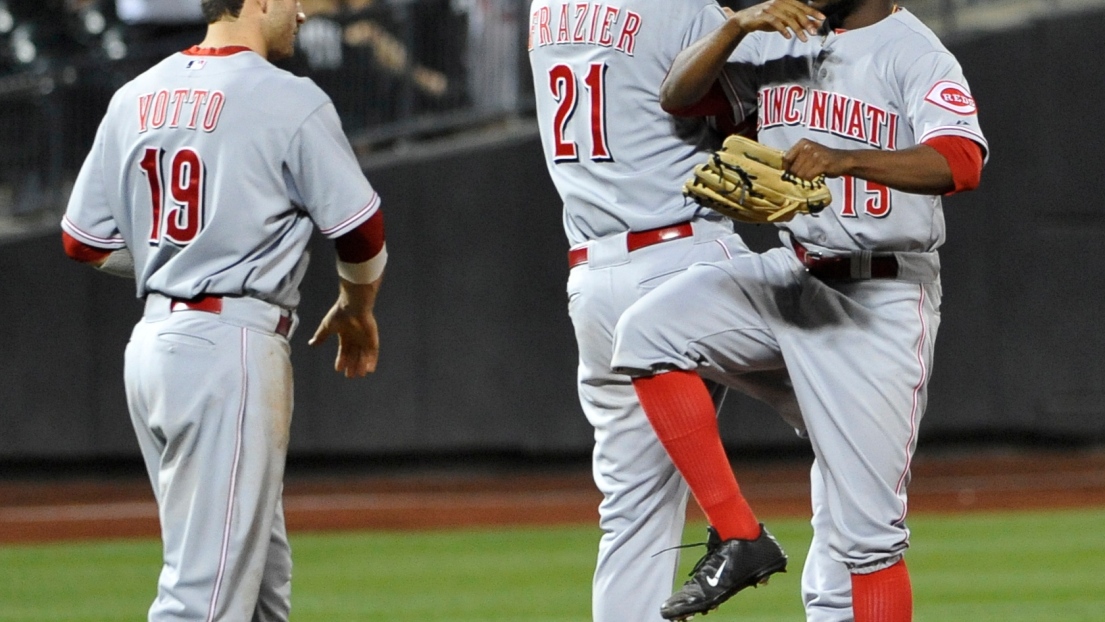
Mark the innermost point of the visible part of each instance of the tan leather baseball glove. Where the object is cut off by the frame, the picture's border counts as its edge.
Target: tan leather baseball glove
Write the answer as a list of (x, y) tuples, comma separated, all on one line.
[(745, 181)]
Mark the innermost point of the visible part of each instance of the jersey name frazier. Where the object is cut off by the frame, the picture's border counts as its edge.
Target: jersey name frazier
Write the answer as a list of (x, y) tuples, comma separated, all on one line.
[(188, 108), (825, 111), (585, 22)]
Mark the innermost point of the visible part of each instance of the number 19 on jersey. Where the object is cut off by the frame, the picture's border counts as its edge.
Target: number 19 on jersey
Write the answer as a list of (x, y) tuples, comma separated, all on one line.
[(178, 214)]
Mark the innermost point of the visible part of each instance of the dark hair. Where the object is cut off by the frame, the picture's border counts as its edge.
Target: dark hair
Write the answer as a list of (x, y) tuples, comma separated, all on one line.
[(214, 10)]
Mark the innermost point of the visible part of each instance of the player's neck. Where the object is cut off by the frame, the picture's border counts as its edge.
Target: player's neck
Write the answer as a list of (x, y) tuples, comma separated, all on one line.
[(234, 33), (868, 12)]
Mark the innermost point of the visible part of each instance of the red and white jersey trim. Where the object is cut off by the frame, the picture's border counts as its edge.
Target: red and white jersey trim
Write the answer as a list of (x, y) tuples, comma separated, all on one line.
[(963, 132), (229, 50), (740, 115), (349, 223), (89, 239)]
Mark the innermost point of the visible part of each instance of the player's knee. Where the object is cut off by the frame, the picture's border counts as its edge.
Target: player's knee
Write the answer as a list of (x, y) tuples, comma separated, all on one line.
[(637, 343)]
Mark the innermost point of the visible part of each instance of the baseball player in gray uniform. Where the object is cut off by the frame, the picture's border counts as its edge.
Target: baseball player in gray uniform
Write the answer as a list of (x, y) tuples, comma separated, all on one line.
[(864, 93), (204, 183), (618, 160)]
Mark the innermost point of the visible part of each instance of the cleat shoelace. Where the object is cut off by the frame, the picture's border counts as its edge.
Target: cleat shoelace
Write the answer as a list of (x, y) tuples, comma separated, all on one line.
[(700, 562)]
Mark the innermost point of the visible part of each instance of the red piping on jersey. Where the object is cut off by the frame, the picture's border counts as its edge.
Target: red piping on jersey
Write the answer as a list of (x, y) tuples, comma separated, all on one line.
[(964, 157), (93, 240), (724, 249), (373, 204), (229, 50), (82, 252), (232, 493), (914, 411)]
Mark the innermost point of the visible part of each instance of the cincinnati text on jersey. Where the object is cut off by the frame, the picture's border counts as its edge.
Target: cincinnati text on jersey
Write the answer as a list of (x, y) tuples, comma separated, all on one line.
[(825, 111), (585, 23)]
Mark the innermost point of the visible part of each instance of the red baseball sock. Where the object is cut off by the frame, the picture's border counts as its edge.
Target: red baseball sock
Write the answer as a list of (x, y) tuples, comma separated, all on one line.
[(883, 596), (679, 407)]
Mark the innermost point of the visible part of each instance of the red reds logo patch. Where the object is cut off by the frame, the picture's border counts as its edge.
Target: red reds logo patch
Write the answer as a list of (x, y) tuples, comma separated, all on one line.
[(951, 96)]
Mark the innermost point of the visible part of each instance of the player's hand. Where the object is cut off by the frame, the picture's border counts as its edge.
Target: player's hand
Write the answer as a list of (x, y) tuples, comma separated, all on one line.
[(786, 17), (352, 320), (358, 340), (807, 160)]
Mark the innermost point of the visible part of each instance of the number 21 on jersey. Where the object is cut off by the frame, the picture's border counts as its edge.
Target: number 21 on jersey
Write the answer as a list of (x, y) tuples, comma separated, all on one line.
[(177, 210), (565, 87)]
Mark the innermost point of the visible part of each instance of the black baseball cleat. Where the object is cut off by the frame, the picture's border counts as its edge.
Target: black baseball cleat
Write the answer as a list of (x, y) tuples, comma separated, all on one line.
[(728, 567)]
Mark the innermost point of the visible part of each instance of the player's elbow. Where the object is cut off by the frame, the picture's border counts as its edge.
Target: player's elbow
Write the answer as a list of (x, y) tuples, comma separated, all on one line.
[(679, 106), (677, 102), (684, 111), (969, 180), (963, 177), (667, 105), (963, 159), (672, 100), (79, 251)]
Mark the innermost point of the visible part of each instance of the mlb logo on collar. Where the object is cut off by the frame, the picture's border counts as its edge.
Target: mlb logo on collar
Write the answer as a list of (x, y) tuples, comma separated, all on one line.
[(196, 64)]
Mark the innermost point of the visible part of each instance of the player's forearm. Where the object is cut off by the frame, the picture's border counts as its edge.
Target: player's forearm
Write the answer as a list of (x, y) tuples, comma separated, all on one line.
[(918, 170), (362, 252), (695, 70), (358, 299), (118, 262)]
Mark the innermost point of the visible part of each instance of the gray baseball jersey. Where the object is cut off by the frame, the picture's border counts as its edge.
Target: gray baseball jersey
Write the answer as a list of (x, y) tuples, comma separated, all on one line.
[(175, 176), (614, 155), (212, 168), (858, 349), (889, 87), (618, 162)]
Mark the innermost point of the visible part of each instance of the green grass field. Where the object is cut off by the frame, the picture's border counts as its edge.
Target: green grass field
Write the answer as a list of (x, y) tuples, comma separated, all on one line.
[(1028, 567)]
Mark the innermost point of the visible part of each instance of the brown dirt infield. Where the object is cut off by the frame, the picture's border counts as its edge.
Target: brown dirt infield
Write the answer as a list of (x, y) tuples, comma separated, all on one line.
[(38, 510)]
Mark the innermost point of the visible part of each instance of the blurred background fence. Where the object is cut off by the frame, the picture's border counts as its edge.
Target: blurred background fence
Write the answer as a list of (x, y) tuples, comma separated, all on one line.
[(397, 70), (436, 97)]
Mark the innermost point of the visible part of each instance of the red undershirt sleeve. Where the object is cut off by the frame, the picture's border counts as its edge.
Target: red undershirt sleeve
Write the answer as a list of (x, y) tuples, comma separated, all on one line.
[(362, 243), (964, 157), (713, 103), (80, 251)]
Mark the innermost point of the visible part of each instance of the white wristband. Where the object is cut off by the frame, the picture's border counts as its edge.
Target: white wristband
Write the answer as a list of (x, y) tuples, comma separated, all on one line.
[(366, 271)]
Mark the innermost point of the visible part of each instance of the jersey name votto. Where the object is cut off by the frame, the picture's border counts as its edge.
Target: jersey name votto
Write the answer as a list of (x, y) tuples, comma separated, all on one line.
[(587, 23), (825, 111), (188, 108)]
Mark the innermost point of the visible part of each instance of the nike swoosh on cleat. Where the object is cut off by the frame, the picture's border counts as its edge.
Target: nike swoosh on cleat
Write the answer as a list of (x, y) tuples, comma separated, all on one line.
[(713, 581)]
